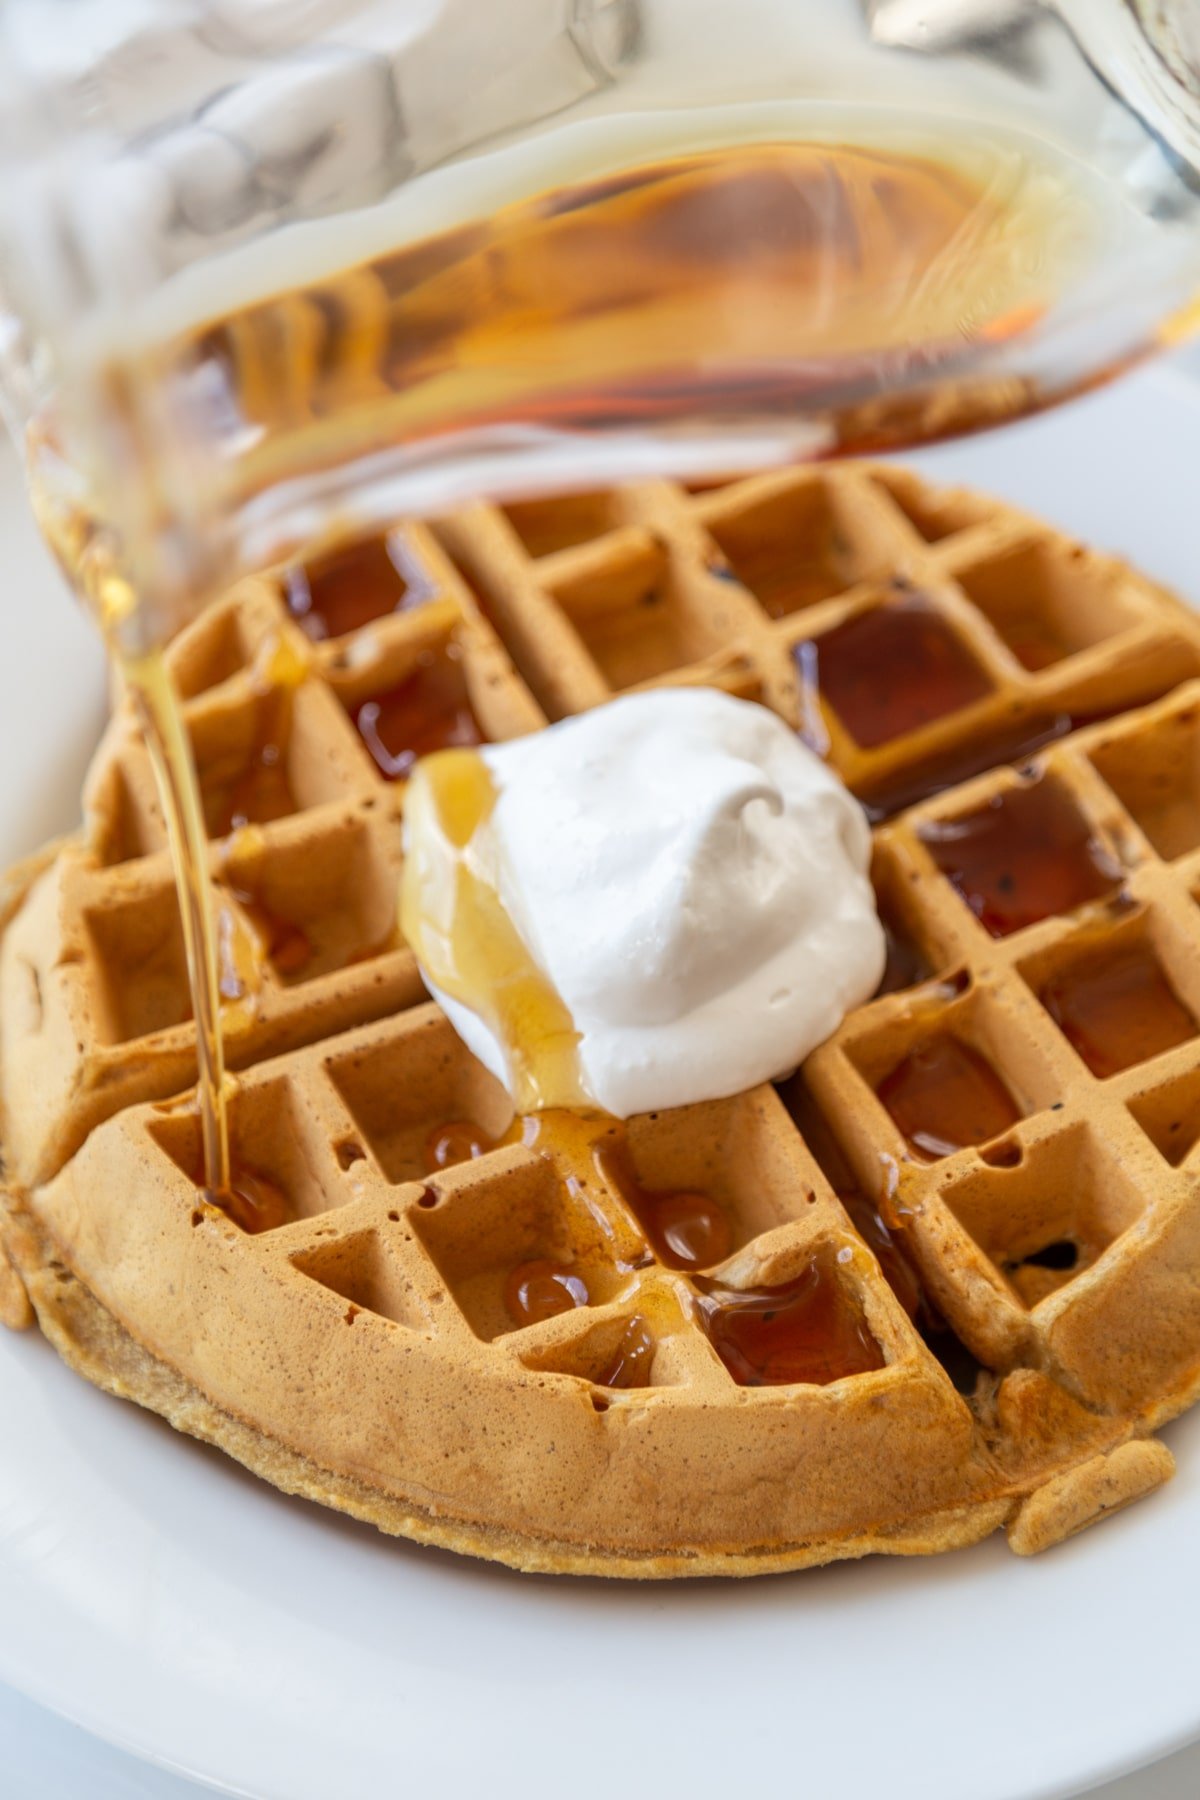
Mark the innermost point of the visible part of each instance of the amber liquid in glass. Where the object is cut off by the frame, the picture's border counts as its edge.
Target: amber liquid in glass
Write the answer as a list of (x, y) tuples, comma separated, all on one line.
[(867, 286), (863, 286)]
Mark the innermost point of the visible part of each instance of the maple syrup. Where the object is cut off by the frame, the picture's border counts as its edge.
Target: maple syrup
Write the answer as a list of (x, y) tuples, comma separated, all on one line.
[(808, 1330), (284, 943), (237, 963), (353, 586), (541, 1289), (906, 965), (890, 670), (1026, 854), (686, 1229), (1117, 1008), (429, 710), (456, 1141), (170, 753), (771, 280), (885, 1238), (253, 1201), (287, 945), (944, 1095), (882, 1236), (243, 788), (882, 1240), (630, 1363), (482, 960), (1013, 741)]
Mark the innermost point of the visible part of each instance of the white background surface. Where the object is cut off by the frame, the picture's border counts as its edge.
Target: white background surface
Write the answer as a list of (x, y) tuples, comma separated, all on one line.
[(43, 1758)]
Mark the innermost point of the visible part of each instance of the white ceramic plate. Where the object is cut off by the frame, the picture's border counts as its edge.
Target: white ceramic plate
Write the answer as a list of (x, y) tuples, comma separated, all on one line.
[(155, 1593)]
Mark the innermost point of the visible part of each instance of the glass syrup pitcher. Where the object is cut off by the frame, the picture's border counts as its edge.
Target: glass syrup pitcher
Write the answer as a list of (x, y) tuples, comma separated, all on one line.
[(271, 266)]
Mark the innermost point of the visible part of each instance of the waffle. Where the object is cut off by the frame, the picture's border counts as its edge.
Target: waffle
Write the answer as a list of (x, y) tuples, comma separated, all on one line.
[(958, 1288)]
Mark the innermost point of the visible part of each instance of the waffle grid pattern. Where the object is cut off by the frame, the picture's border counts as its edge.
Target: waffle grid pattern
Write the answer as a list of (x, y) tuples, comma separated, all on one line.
[(670, 565), (341, 1129), (670, 591), (551, 608), (326, 861), (1094, 1155)]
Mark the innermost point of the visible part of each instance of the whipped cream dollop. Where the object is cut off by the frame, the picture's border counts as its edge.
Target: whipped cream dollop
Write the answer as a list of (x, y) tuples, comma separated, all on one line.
[(683, 895)]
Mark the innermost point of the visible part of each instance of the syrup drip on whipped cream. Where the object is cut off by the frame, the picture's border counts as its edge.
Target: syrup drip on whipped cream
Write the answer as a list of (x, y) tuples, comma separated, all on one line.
[(662, 901), (468, 946)]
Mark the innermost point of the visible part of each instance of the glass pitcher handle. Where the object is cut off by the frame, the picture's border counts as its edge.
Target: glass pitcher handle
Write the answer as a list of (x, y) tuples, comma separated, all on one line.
[(1148, 51), (1149, 54)]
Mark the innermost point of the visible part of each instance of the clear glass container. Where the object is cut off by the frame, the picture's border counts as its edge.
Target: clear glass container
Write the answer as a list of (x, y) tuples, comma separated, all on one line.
[(273, 267)]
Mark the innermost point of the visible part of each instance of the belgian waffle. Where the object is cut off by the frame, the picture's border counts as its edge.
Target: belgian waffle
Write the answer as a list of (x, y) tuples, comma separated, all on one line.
[(974, 1215)]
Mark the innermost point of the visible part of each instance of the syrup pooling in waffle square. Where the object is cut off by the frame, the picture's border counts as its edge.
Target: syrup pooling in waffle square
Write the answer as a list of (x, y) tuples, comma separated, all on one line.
[(1017, 1173), (986, 1181), (782, 1295), (611, 1209)]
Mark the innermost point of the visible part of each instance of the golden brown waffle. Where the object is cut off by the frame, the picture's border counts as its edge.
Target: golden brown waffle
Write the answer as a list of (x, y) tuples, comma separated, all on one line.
[(994, 1182)]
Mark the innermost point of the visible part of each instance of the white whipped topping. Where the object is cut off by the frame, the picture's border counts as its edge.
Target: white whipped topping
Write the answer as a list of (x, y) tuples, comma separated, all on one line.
[(691, 880)]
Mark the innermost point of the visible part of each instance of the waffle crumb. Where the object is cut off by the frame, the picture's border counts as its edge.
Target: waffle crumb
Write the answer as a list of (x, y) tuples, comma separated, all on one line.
[(1095, 1490)]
